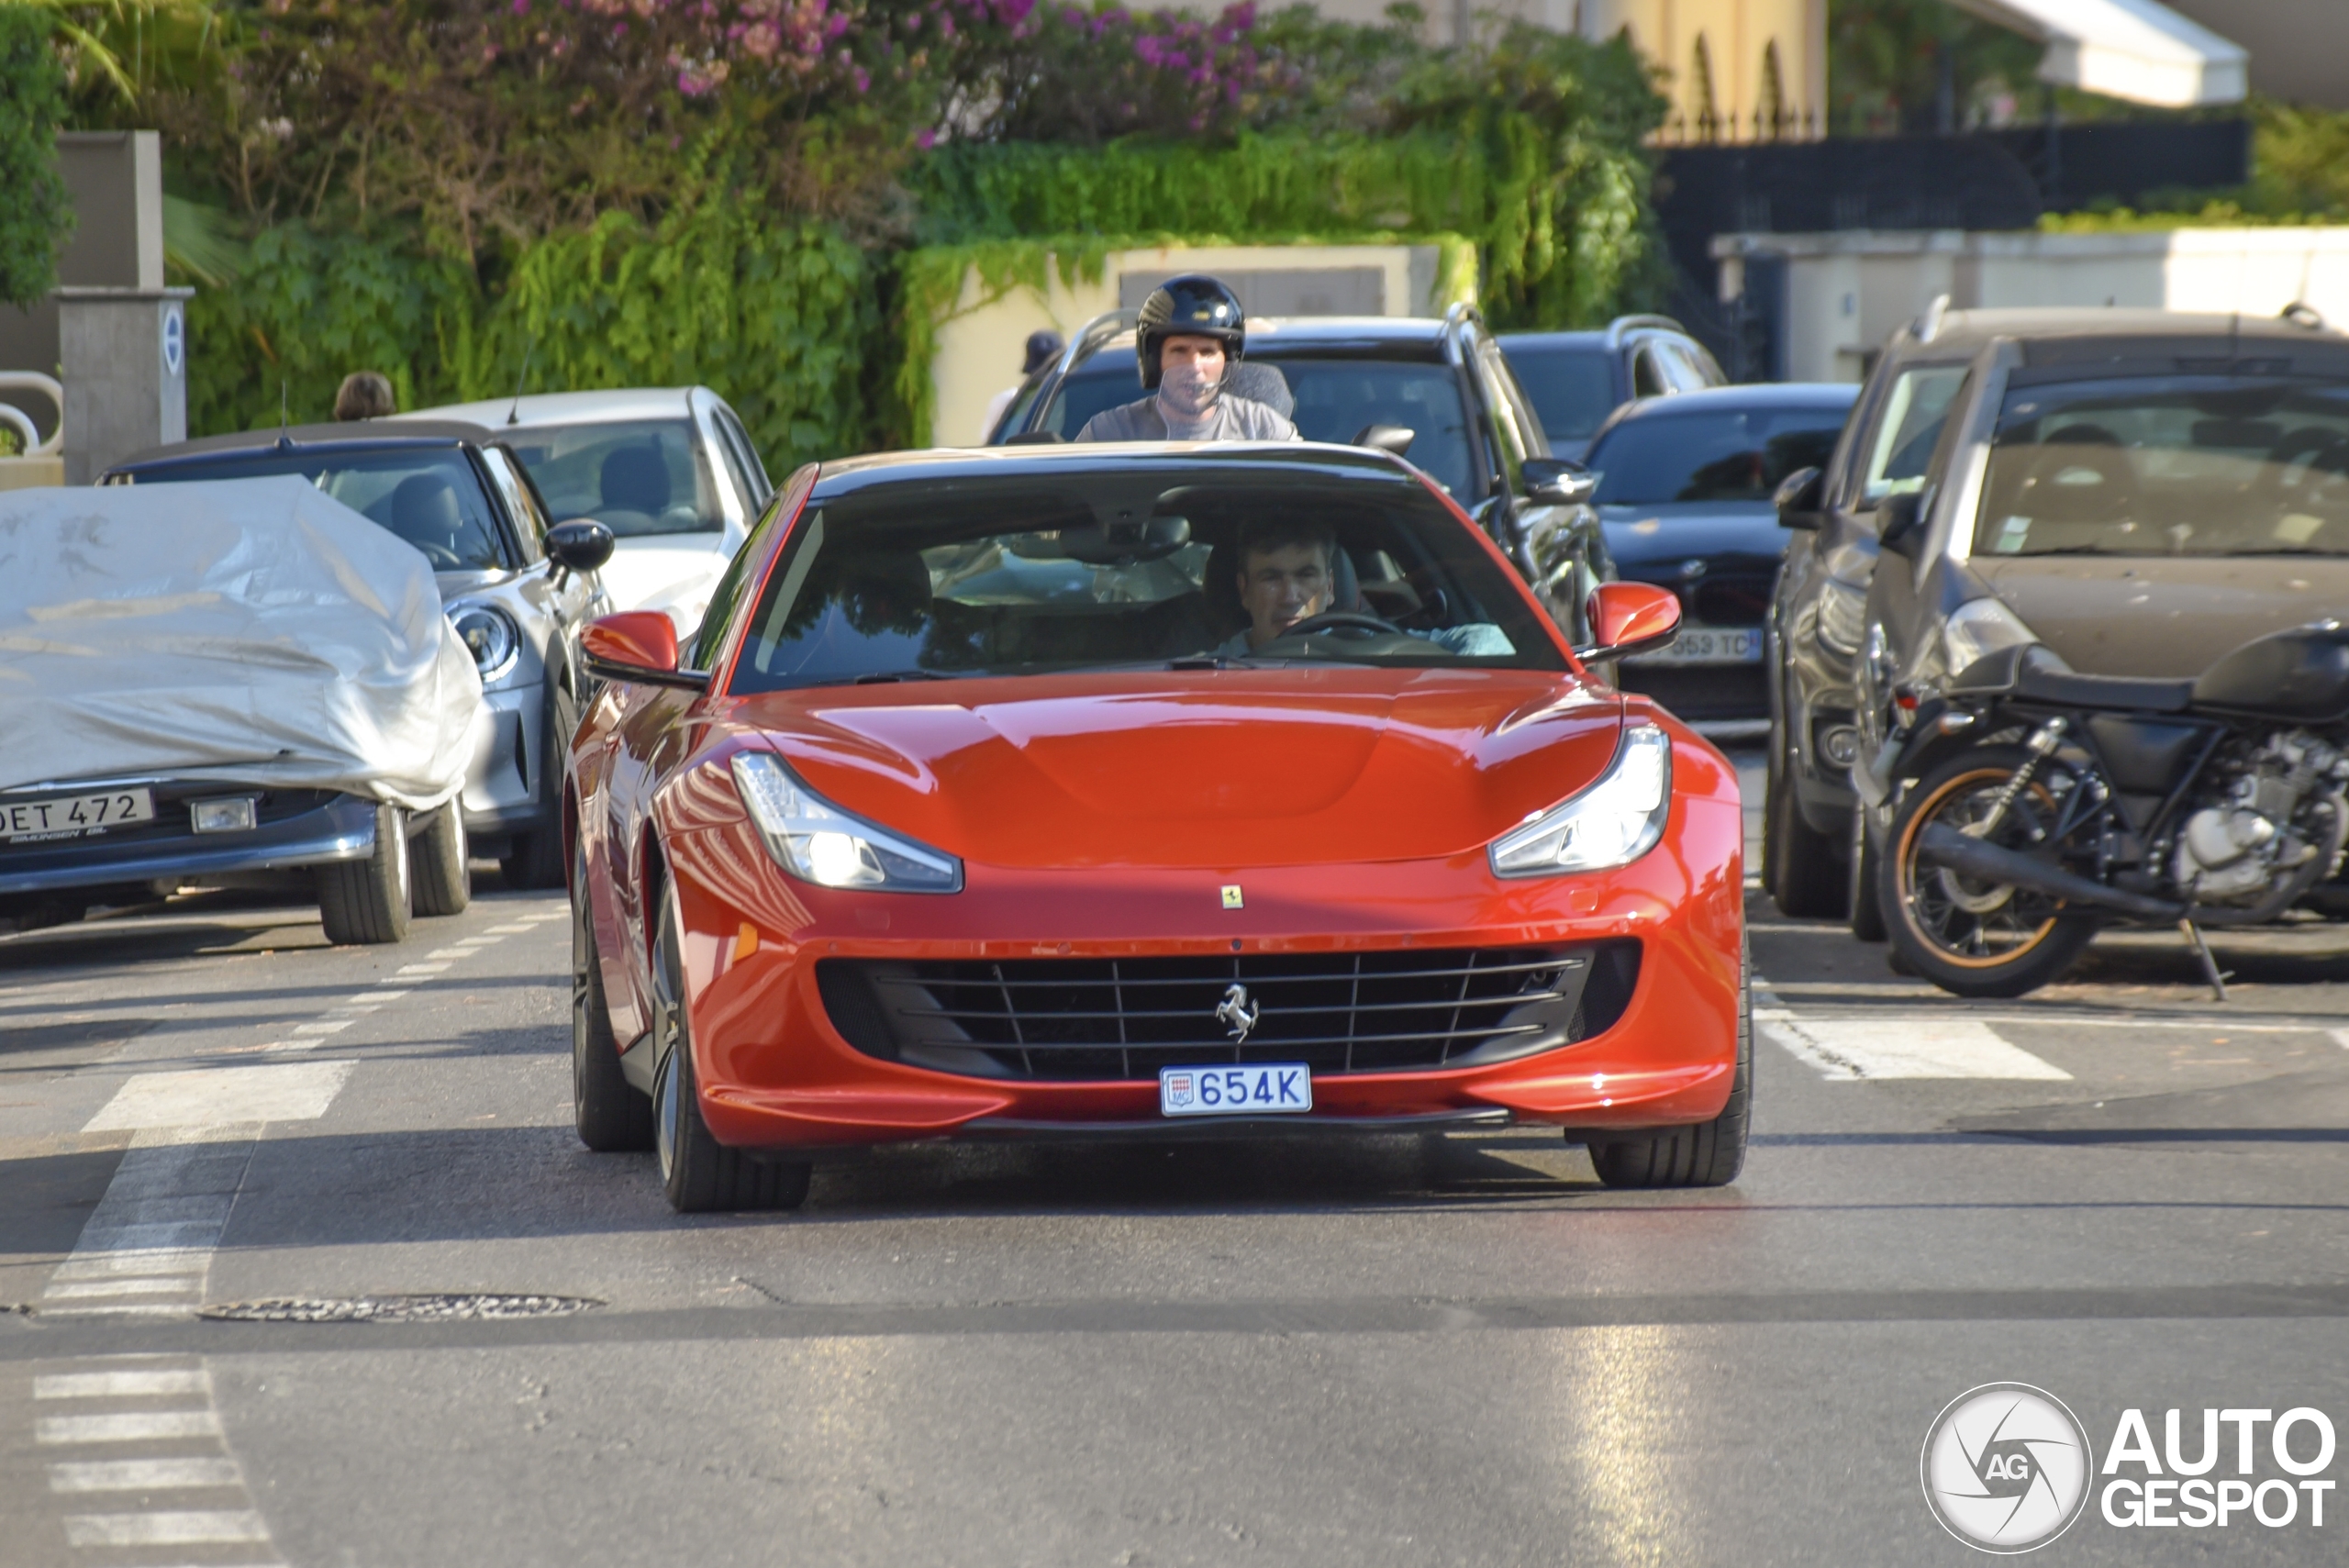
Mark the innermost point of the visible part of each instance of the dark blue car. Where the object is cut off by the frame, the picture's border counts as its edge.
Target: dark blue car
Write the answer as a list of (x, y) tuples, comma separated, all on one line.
[(1685, 486)]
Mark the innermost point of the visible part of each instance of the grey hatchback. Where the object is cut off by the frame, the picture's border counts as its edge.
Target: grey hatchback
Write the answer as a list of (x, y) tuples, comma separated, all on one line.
[(517, 589)]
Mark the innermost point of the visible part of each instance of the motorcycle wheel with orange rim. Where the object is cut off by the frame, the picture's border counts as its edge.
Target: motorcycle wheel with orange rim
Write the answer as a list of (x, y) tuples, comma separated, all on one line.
[(1971, 938)]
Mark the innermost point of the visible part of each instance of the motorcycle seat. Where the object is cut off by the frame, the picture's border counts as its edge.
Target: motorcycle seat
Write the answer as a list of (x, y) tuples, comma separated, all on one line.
[(2041, 676)]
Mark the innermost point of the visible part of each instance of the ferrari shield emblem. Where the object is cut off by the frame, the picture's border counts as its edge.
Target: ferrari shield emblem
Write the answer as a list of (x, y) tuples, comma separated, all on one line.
[(1231, 897)]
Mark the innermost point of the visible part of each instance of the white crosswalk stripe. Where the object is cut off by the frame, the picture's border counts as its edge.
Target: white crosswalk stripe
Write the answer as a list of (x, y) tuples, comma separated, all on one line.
[(1851, 1050)]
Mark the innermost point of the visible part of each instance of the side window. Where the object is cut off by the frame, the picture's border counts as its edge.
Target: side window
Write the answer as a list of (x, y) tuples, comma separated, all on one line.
[(520, 505), (1524, 431), (1907, 430), (1647, 378), (746, 458), (730, 584), (1681, 366)]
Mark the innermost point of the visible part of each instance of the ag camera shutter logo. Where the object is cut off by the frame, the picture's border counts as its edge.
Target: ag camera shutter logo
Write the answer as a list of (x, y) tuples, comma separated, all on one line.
[(2006, 1468)]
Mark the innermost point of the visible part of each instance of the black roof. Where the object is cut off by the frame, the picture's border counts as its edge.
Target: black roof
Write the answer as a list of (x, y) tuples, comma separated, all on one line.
[(356, 435), (1275, 461)]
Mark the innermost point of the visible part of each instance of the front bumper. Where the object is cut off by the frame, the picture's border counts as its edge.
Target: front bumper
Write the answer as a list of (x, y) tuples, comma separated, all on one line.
[(776, 1074), (341, 829)]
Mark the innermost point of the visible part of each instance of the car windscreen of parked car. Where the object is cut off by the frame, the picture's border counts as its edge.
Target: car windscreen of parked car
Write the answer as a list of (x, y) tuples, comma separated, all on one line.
[(635, 478), (1572, 389), (2169, 466), (1718, 454), (1139, 565), (429, 496), (1336, 400), (1914, 411)]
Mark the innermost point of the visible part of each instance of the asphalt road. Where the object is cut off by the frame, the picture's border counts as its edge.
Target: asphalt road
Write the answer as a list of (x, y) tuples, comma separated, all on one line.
[(1457, 1351)]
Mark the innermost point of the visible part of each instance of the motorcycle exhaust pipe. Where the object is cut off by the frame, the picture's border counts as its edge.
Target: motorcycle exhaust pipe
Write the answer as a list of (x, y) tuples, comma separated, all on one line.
[(1945, 846)]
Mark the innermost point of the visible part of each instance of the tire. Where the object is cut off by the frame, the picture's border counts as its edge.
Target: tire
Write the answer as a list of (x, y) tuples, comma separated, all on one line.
[(699, 1175), (1709, 1154), (1805, 877), (612, 1117), (444, 877), (1865, 917), (366, 903), (1972, 938), (535, 860)]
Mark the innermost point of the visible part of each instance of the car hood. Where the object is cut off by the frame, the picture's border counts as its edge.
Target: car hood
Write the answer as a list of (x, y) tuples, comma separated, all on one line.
[(1644, 538), (1220, 769), (668, 571), (2161, 617)]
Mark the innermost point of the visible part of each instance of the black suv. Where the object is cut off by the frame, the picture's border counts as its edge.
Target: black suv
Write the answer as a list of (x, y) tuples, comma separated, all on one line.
[(1577, 379), (1474, 430)]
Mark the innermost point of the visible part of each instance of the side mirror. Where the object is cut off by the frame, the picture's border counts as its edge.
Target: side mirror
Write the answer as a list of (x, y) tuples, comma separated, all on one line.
[(639, 645), (1630, 618), (581, 545), (1395, 438), (1799, 496), (1556, 482), (1898, 524)]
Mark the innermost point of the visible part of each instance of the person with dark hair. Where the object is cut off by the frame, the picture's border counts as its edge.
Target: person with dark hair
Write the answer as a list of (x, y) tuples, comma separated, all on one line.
[(1292, 569), (364, 395), (1187, 343), (1043, 348)]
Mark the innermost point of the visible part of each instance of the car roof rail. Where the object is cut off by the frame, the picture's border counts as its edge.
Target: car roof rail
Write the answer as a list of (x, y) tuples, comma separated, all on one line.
[(1622, 324), (1928, 326)]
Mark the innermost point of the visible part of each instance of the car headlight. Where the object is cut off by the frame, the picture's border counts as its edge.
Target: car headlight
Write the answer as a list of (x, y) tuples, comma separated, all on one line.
[(1978, 628), (490, 636), (1612, 823), (816, 842), (1842, 617)]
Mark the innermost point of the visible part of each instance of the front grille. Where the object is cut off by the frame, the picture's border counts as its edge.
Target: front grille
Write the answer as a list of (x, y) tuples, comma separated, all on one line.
[(1700, 693), (1095, 1019), (1730, 601)]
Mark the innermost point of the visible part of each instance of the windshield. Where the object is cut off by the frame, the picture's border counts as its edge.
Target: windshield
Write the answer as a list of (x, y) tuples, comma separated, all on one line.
[(1914, 412), (430, 496), (1337, 399), (636, 477), (2169, 466), (1572, 389), (1139, 565), (1716, 454)]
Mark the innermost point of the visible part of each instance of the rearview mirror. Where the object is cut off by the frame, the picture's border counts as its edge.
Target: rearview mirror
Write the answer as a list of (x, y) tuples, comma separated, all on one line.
[(581, 545), (1395, 438), (1799, 496), (1630, 618), (639, 645), (1556, 482), (1898, 523)]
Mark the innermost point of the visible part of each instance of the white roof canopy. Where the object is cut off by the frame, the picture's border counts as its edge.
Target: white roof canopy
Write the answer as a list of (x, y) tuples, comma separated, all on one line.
[(2135, 49)]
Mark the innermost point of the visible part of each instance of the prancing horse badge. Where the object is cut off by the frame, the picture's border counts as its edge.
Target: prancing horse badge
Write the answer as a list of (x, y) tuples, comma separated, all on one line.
[(1231, 897)]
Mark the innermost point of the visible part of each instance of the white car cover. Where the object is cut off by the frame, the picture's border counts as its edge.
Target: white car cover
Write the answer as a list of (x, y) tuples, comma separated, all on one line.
[(253, 630)]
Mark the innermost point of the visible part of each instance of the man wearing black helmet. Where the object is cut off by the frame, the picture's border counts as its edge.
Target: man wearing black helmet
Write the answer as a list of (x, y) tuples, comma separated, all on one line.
[(1188, 341)]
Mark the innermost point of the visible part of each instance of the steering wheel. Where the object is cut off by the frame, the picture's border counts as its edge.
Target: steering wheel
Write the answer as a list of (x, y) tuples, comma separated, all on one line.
[(1356, 624), (442, 558)]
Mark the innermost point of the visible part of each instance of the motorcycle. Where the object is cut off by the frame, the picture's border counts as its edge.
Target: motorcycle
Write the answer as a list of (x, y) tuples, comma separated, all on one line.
[(2035, 805)]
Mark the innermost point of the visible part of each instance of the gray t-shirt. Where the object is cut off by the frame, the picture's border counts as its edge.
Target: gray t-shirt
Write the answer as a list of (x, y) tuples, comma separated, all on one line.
[(1233, 420)]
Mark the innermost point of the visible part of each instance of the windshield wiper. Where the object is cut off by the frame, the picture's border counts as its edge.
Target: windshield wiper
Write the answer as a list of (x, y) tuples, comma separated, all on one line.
[(883, 677)]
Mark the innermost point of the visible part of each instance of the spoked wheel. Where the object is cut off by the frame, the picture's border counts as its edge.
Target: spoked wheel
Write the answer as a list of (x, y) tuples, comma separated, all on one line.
[(1972, 937), (698, 1172)]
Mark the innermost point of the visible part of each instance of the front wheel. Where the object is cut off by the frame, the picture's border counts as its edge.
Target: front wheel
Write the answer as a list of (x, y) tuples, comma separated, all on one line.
[(1861, 909), (1970, 938), (698, 1172), (1805, 876), (1709, 1154), (439, 855), (367, 901), (611, 1116)]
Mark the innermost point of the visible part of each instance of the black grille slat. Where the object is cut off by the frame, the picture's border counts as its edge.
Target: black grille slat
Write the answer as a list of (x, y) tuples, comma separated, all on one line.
[(1124, 1019)]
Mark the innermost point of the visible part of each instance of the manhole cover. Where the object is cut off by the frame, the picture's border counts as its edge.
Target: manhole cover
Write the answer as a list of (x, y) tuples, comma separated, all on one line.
[(398, 1308)]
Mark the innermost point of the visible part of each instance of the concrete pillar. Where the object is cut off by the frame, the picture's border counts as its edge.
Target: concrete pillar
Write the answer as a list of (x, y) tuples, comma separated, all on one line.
[(125, 352)]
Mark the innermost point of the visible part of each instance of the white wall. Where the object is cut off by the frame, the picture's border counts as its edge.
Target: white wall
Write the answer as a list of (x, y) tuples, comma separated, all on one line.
[(1846, 293)]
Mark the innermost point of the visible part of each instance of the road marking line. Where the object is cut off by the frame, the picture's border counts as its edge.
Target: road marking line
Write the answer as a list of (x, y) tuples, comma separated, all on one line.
[(373, 999), (129, 1427), (292, 1091), (121, 1384), (1845, 1051), (324, 1027), (60, 1291), (447, 953), (2340, 1038), (420, 969), (185, 1529), (143, 1474), (132, 1261), (517, 930)]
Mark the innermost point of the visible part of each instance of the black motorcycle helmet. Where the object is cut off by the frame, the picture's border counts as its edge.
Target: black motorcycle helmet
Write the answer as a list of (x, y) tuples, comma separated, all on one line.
[(1194, 306)]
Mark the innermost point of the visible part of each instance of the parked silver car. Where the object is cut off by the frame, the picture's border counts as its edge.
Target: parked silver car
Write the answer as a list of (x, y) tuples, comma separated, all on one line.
[(669, 469), (516, 586)]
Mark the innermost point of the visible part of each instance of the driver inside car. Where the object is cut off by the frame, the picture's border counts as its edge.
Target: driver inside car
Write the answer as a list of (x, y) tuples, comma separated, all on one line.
[(1287, 576)]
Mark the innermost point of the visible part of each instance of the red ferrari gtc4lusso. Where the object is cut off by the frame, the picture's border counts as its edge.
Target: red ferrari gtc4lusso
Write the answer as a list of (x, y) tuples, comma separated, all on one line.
[(1124, 791)]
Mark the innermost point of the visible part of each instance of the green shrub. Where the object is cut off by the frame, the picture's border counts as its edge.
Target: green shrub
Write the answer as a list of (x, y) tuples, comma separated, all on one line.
[(35, 216)]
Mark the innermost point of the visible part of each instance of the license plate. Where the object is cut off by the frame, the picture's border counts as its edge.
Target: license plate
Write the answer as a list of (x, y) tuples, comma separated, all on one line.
[(1708, 645), (1265, 1088), (72, 816)]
